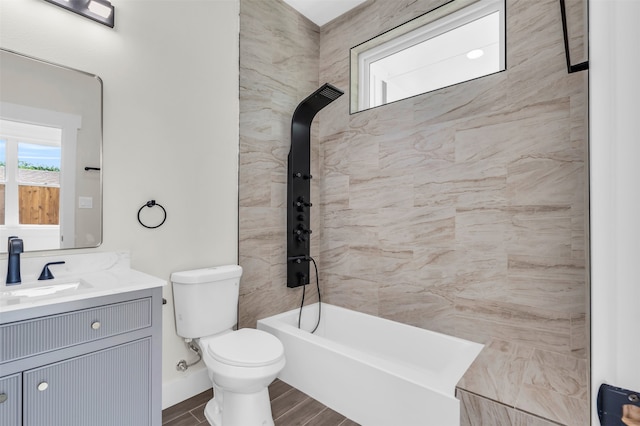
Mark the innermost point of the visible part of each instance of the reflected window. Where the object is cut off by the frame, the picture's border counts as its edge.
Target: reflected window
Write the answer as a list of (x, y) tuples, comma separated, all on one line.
[(457, 42), (31, 157), (39, 181)]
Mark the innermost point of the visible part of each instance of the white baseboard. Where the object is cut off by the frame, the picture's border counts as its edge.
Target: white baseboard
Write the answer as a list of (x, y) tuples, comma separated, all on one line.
[(191, 384)]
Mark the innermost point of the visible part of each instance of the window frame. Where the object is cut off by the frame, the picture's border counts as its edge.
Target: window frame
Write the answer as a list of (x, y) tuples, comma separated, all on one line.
[(69, 125), (432, 24)]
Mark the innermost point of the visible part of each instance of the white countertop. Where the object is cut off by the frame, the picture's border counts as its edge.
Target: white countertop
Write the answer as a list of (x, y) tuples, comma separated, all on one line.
[(83, 276)]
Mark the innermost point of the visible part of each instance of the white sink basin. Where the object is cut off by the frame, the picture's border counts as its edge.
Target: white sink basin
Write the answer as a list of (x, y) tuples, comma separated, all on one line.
[(22, 292), (84, 276)]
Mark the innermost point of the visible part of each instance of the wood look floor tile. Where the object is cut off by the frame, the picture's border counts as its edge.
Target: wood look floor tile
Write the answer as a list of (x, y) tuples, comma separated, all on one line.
[(286, 402), (278, 388), (185, 419), (348, 422), (289, 407), (326, 417), (198, 413), (179, 409), (300, 414)]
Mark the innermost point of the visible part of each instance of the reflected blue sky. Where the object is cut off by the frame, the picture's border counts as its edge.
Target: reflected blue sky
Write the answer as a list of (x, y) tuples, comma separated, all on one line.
[(35, 154)]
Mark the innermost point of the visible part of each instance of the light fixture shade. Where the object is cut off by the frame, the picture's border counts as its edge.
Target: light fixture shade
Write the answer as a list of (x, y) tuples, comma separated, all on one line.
[(97, 10), (100, 8)]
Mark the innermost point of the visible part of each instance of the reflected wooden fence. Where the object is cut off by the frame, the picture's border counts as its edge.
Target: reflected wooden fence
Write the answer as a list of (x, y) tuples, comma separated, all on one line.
[(39, 205)]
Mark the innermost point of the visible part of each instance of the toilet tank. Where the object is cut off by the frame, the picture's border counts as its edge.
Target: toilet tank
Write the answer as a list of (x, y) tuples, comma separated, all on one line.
[(205, 301)]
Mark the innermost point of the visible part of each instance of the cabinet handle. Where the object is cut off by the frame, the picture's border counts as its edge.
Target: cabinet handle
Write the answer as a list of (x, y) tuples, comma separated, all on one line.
[(95, 325), (43, 386), (3, 397)]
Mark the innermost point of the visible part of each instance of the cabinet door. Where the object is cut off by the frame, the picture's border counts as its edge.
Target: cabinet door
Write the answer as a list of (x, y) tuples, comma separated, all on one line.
[(10, 400), (111, 387)]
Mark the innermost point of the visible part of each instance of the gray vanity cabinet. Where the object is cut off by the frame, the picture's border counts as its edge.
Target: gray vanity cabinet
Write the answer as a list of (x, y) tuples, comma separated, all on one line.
[(94, 362), (10, 400), (108, 387)]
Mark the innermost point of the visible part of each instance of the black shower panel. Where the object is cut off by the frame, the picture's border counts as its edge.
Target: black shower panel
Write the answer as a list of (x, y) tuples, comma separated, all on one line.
[(299, 184)]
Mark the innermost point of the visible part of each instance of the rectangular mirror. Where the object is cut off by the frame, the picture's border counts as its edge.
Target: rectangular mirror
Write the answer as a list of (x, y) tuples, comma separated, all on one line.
[(456, 42), (50, 154)]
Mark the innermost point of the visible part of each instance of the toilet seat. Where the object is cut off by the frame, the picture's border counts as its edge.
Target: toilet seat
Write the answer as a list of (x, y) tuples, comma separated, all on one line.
[(246, 347)]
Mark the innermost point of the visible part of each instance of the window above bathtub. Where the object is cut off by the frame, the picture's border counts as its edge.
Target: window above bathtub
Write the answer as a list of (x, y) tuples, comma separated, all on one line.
[(456, 42)]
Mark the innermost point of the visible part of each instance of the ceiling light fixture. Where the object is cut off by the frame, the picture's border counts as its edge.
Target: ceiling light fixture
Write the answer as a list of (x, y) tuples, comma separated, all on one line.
[(475, 53), (97, 10)]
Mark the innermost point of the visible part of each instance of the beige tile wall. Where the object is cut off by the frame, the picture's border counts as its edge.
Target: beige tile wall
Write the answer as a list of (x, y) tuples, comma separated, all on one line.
[(279, 52), (463, 210)]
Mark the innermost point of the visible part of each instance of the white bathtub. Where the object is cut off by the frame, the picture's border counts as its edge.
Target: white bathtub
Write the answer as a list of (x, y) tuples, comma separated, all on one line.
[(374, 371)]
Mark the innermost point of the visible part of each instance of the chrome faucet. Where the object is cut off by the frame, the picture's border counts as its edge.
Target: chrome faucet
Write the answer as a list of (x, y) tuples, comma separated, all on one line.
[(15, 247)]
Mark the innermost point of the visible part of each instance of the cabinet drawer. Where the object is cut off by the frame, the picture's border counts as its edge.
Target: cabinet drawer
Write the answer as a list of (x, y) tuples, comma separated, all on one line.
[(39, 335)]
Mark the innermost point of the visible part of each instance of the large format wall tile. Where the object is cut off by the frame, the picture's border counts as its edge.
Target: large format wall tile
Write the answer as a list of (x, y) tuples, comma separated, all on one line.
[(279, 52), (472, 220), (463, 210)]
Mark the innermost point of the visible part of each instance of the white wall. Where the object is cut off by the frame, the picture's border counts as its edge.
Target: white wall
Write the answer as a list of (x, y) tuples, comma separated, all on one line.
[(170, 73), (615, 194)]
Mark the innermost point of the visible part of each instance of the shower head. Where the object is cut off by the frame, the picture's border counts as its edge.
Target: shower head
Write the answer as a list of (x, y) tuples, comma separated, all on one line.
[(308, 108), (330, 92)]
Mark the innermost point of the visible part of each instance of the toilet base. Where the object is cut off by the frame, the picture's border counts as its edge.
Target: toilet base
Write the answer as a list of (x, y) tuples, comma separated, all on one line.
[(239, 409)]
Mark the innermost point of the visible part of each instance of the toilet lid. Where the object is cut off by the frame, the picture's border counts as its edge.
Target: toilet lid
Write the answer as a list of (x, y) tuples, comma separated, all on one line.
[(246, 347)]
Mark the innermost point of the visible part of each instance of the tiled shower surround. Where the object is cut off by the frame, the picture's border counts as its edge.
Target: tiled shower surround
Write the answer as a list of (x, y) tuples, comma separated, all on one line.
[(462, 210)]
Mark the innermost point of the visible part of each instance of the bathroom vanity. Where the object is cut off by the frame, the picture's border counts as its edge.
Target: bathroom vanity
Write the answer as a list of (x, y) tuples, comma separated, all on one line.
[(83, 355)]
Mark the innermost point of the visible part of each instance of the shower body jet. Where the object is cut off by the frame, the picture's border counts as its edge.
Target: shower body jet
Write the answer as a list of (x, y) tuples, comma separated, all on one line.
[(299, 184)]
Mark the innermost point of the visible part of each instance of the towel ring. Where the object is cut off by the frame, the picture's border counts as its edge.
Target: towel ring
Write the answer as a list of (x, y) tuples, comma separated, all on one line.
[(150, 204)]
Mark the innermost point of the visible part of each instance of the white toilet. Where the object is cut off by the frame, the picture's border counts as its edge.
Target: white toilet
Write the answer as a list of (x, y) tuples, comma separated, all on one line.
[(241, 363)]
